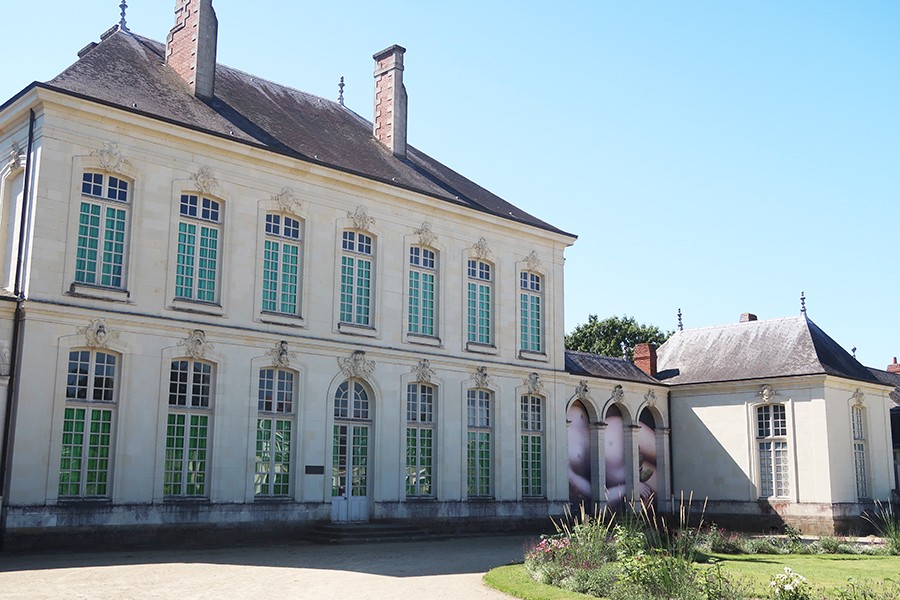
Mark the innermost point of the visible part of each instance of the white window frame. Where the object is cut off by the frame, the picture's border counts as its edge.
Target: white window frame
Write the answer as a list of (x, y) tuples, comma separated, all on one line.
[(106, 197), (859, 450), (278, 232), (773, 452), (202, 212), (196, 408), (420, 425), (531, 286), (106, 405), (352, 251), (480, 409), (422, 262), (276, 407), (532, 418), (480, 276), (12, 202)]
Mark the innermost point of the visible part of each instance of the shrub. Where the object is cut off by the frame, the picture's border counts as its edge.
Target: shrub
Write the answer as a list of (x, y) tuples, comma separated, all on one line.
[(716, 584), (887, 524), (790, 586), (765, 545), (598, 581), (869, 590), (718, 540)]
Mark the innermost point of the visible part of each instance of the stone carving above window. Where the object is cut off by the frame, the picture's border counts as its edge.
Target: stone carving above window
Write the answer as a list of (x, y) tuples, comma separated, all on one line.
[(482, 379), (582, 391), (5, 359), (97, 334), (858, 398), (426, 236), (650, 397), (280, 355), (361, 219), (110, 156), (532, 262), (204, 179), (422, 371), (16, 158), (534, 384), (356, 365), (618, 395), (287, 200), (481, 248), (767, 393), (195, 344)]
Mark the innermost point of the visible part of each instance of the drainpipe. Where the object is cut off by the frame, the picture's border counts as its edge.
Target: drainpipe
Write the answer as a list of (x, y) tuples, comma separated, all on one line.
[(18, 330)]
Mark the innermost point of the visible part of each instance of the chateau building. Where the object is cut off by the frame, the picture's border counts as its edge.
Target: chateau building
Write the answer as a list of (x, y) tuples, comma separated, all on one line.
[(227, 303)]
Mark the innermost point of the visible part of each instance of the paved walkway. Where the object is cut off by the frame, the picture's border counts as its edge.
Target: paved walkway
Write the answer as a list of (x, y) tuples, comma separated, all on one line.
[(395, 571)]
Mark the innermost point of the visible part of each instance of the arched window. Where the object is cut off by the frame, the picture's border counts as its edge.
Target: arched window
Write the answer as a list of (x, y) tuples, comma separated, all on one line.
[(422, 315), (274, 432), (350, 442), (419, 439), (199, 244), (281, 265), (532, 409), (858, 426), (191, 394), (531, 300), (771, 440), (479, 449), (88, 418), (479, 303), (102, 230), (357, 268)]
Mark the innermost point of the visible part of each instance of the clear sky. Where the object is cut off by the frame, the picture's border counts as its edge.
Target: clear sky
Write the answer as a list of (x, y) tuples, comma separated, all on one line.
[(718, 157)]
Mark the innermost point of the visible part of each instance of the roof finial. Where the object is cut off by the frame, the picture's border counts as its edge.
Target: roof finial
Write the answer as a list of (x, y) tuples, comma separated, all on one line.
[(853, 350), (680, 324), (122, 24), (803, 304), (341, 91)]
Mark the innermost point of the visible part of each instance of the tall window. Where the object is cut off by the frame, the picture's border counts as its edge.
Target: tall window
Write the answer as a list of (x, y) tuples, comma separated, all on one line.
[(274, 432), (479, 326), (857, 420), (419, 439), (532, 446), (350, 441), (84, 466), (422, 279), (356, 279), (199, 235), (102, 229), (478, 443), (530, 306), (187, 428), (281, 265), (771, 439)]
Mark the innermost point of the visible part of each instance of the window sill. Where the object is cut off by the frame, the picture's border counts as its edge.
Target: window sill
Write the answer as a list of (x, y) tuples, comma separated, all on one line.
[(95, 292), (196, 306), (272, 499), (421, 499), (528, 355), (480, 348), (351, 329), (186, 500), (82, 500), (534, 499), (425, 340), (479, 499), (282, 319)]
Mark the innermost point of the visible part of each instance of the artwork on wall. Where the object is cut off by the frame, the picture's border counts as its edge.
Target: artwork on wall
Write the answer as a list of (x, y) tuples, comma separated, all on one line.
[(614, 454), (579, 440), (647, 470)]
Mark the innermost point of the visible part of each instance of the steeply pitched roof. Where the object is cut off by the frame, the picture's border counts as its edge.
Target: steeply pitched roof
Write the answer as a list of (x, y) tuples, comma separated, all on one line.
[(585, 364), (755, 350), (128, 72)]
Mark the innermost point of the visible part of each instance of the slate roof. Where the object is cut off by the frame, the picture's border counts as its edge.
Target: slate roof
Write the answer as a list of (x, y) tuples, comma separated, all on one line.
[(586, 364), (128, 72), (755, 350), (889, 378)]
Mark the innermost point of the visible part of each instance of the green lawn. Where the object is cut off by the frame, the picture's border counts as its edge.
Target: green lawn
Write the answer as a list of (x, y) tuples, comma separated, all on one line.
[(823, 571)]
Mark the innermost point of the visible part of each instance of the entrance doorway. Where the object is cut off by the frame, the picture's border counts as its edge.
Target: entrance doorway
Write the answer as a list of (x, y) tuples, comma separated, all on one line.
[(350, 453)]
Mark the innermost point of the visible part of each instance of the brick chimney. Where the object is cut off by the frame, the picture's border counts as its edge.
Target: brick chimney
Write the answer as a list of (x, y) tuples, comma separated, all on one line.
[(894, 367), (645, 358), (191, 45), (390, 100)]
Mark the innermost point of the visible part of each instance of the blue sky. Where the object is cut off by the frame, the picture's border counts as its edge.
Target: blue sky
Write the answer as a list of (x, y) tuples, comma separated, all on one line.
[(718, 157)]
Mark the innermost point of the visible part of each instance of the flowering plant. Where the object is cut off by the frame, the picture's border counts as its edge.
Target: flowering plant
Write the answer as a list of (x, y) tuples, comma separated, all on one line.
[(790, 586)]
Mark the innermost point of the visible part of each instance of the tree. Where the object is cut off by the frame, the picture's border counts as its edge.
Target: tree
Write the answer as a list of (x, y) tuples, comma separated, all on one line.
[(606, 337)]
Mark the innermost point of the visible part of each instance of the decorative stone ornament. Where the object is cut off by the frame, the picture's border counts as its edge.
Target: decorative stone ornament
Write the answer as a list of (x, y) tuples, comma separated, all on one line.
[(110, 156), (287, 200), (280, 355), (204, 179), (481, 248), (356, 365), (766, 393), (422, 371), (618, 394), (5, 359), (426, 236), (16, 158), (482, 379), (582, 391), (858, 398), (534, 384), (532, 261), (361, 219), (97, 335), (650, 397), (195, 344)]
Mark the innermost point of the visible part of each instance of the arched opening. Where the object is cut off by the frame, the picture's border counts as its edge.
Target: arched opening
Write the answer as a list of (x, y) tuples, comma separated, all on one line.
[(615, 457), (578, 432), (648, 462), (351, 446)]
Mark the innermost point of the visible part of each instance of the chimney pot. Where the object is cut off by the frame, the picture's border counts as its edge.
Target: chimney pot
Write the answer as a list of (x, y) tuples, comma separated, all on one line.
[(389, 122), (645, 358), (894, 367), (747, 317), (191, 45)]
